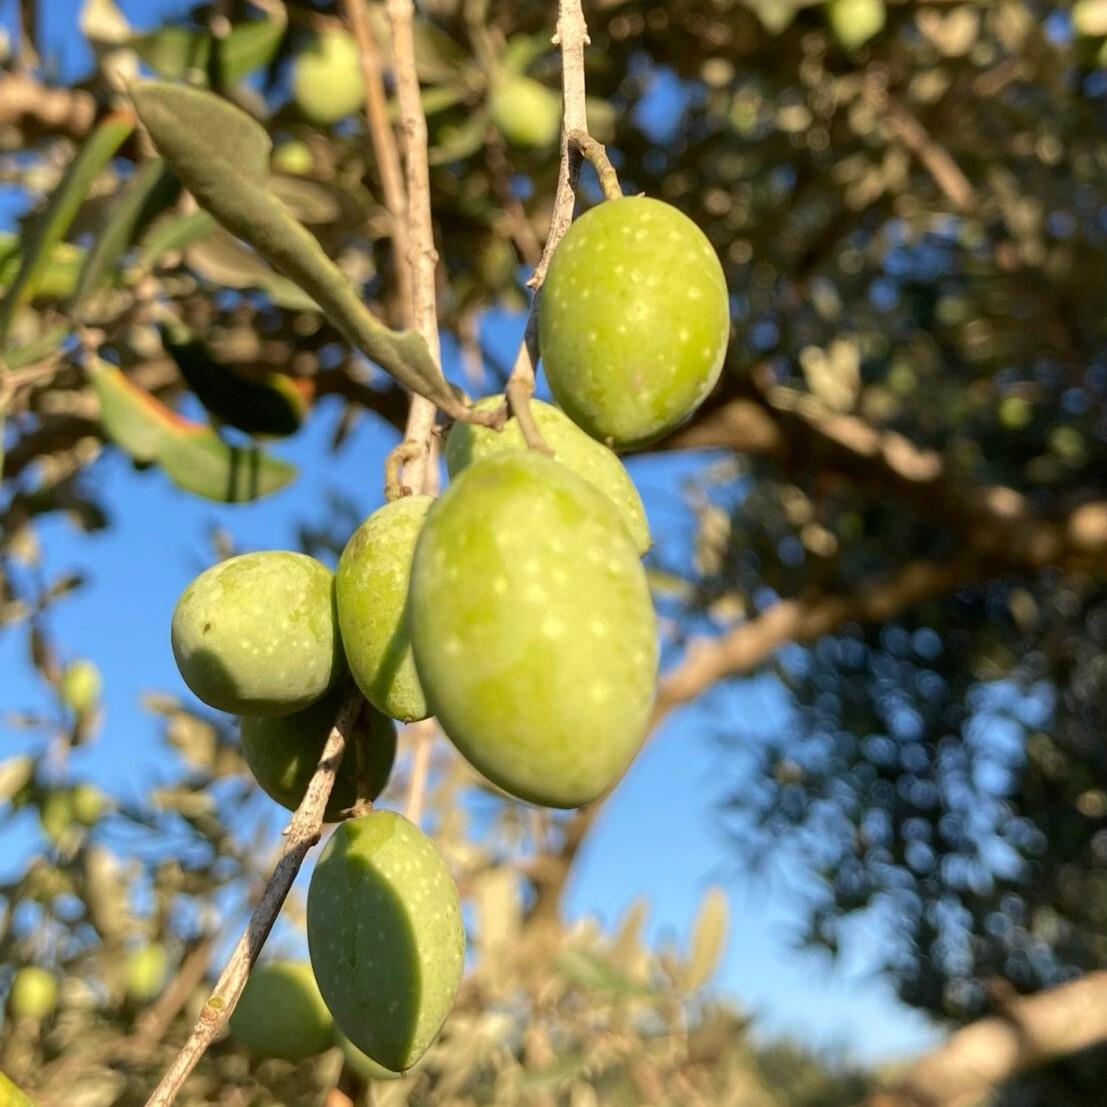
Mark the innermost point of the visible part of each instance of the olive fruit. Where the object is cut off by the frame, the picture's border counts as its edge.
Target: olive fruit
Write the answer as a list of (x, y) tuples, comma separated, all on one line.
[(87, 804), (293, 157), (34, 993), (525, 112), (371, 588), (362, 1063), (146, 970), (257, 634), (533, 630), (283, 753), (588, 458), (327, 84), (854, 22), (81, 686), (633, 320), (281, 1013), (11, 1095), (386, 937)]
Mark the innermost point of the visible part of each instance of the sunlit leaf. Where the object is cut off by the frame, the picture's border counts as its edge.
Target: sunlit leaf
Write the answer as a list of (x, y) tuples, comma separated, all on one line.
[(195, 458), (708, 940)]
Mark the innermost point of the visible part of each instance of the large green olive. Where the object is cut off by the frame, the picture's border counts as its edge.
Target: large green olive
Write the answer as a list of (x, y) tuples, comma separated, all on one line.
[(34, 993), (533, 630), (633, 320), (283, 753), (362, 1063), (371, 589), (281, 1013), (257, 634), (327, 84), (386, 937), (588, 458)]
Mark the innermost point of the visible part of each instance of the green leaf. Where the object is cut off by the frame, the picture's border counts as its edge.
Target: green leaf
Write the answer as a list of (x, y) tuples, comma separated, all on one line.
[(221, 258), (56, 276), (195, 458), (268, 405), (153, 188), (174, 233), (222, 156), (708, 940), (50, 227), (173, 51), (247, 48), (596, 974), (37, 349)]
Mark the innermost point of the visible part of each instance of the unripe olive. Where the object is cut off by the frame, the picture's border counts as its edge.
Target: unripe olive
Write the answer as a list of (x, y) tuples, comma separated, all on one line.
[(854, 22), (362, 1063), (81, 687), (34, 993), (386, 937), (533, 629), (327, 84), (87, 804), (257, 634), (588, 458), (525, 112), (55, 814), (11, 1095), (283, 753), (146, 971), (281, 1013), (292, 157), (371, 588), (633, 320)]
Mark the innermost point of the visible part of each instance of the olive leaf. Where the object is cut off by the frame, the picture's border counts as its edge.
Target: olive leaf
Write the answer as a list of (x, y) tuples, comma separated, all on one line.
[(708, 940), (267, 404), (222, 155), (49, 229), (194, 457), (153, 188)]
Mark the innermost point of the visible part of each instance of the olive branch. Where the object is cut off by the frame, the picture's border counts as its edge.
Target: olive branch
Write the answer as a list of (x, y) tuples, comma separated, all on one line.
[(412, 465)]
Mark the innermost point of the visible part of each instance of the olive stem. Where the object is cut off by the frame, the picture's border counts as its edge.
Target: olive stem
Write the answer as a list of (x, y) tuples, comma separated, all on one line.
[(422, 734), (303, 832), (596, 153), (572, 37)]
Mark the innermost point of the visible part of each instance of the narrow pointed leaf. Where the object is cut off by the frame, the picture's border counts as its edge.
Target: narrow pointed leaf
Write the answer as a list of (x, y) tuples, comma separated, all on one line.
[(708, 940), (222, 156), (247, 48), (173, 51), (54, 279), (194, 457), (50, 227), (37, 349), (154, 187), (271, 404), (174, 233)]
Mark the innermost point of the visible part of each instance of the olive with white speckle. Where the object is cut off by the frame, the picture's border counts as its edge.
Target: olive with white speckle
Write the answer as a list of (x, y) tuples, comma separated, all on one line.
[(633, 320)]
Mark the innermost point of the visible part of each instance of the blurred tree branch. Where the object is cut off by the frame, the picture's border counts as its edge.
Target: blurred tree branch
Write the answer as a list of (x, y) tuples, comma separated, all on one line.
[(1027, 1032)]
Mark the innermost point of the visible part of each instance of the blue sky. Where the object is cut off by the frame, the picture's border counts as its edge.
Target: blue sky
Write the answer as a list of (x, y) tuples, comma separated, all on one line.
[(660, 838)]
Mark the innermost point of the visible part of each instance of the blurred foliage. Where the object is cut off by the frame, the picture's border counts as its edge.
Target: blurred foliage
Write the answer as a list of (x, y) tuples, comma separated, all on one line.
[(912, 212)]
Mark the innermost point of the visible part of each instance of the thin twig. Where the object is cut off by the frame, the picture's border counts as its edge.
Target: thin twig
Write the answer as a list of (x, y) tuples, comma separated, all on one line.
[(596, 153), (303, 832), (385, 152), (422, 738), (572, 36), (420, 470)]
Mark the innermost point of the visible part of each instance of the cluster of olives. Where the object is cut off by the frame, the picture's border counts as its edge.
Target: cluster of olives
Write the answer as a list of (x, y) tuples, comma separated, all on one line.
[(514, 608)]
